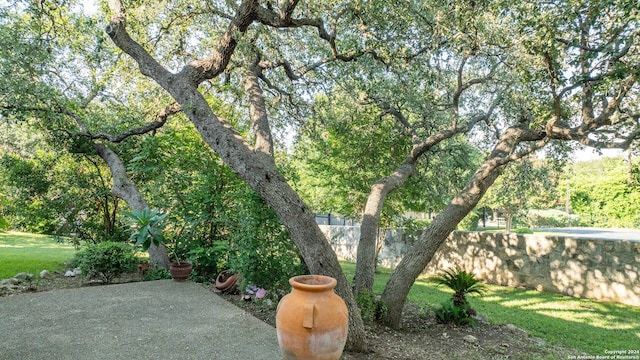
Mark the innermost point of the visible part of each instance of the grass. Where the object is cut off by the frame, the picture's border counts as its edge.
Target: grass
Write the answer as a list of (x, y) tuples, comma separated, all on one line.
[(588, 326), (21, 252)]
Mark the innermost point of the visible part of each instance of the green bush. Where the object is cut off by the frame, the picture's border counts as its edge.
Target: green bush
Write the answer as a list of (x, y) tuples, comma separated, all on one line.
[(371, 307), (550, 218), (261, 248), (146, 227), (72, 263), (457, 314), (4, 224), (107, 260), (156, 273), (470, 222), (208, 261), (523, 231), (412, 226), (457, 309)]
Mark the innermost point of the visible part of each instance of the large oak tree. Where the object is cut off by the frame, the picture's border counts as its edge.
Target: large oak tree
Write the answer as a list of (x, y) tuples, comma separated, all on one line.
[(566, 71), (513, 77)]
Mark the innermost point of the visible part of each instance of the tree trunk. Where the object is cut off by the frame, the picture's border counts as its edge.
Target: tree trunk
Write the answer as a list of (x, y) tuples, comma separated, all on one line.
[(508, 217), (258, 170), (254, 166), (418, 257), (629, 166), (106, 216), (258, 112), (126, 190), (366, 255)]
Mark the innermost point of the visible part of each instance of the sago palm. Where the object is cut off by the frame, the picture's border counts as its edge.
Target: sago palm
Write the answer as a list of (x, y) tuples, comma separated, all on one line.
[(461, 282)]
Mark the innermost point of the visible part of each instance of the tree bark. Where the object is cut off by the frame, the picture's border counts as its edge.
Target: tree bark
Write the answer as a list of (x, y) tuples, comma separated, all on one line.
[(508, 218), (126, 190), (256, 167), (369, 227), (301, 224), (366, 253), (258, 170), (258, 112)]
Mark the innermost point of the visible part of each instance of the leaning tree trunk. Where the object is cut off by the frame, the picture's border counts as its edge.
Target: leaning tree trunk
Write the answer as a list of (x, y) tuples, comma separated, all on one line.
[(366, 255), (255, 167), (126, 190), (370, 225), (259, 171), (303, 225), (418, 257)]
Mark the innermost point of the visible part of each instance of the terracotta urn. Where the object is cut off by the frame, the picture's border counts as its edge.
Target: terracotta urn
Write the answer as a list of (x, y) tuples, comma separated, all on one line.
[(180, 271), (312, 321)]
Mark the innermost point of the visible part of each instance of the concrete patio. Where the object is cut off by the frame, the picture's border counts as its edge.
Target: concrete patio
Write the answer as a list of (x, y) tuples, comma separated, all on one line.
[(146, 320)]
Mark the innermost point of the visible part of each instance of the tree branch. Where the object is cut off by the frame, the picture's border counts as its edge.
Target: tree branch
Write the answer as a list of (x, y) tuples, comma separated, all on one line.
[(462, 86), (197, 71), (258, 111), (160, 120), (118, 33), (399, 116), (201, 70)]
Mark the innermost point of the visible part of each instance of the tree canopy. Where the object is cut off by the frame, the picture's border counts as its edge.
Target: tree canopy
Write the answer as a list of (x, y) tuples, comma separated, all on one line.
[(387, 97)]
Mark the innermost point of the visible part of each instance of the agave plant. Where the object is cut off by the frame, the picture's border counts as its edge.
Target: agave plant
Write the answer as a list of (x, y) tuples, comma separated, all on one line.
[(461, 282), (146, 227)]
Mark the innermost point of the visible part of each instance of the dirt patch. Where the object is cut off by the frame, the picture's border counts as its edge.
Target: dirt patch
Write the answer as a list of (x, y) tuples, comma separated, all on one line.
[(422, 337), (59, 281)]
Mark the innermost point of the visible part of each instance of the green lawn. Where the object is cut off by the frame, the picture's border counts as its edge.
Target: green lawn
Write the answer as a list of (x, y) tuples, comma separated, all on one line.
[(588, 326), (20, 252), (584, 325)]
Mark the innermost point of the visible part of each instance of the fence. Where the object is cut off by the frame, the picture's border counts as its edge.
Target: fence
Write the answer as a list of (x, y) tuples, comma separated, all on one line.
[(332, 219), (604, 270)]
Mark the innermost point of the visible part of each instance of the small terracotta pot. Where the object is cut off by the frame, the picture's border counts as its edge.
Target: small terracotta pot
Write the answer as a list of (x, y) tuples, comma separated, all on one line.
[(312, 321), (180, 271), (226, 281)]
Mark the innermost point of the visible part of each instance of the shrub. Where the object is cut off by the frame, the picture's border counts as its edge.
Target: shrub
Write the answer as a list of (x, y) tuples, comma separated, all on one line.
[(412, 226), (107, 260), (457, 309), (470, 222), (461, 282), (73, 263), (371, 307), (261, 248), (459, 315), (207, 261), (550, 218), (156, 273), (146, 227), (267, 260), (4, 224)]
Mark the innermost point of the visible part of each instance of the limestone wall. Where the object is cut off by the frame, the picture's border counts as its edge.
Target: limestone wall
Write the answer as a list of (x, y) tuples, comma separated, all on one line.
[(605, 270)]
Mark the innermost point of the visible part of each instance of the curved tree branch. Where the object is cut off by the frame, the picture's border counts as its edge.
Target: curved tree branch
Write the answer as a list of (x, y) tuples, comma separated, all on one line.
[(160, 120), (258, 111)]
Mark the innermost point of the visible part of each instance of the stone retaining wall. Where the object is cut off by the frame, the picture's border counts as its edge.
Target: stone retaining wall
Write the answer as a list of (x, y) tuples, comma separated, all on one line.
[(604, 270)]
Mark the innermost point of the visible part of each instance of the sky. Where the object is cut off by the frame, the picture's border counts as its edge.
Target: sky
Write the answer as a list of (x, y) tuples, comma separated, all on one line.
[(586, 154)]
